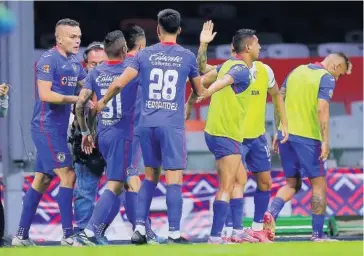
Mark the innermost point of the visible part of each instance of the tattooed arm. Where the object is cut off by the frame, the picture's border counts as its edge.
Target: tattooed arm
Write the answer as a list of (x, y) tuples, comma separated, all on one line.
[(83, 98), (323, 119), (206, 37), (277, 115)]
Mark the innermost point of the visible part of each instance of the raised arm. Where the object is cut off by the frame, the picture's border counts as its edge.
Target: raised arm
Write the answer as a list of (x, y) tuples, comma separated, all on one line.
[(206, 37)]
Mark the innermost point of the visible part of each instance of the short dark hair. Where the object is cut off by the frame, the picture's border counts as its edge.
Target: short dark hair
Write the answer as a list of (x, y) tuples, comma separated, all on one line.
[(132, 34), (346, 59), (68, 22), (239, 38), (169, 20), (114, 42)]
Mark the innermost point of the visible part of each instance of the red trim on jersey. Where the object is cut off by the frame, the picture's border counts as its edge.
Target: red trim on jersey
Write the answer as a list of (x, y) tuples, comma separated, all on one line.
[(130, 55), (52, 149), (319, 64), (168, 43), (113, 62), (41, 121)]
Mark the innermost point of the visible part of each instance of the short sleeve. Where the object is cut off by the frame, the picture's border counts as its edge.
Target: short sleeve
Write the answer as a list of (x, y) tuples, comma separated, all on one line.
[(89, 83), (327, 86), (134, 62), (193, 68), (271, 78), (45, 68), (240, 74), (82, 75)]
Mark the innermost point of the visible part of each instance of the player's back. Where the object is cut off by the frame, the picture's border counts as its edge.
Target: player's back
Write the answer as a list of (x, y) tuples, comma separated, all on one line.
[(138, 101), (304, 85), (118, 115), (63, 72), (164, 69)]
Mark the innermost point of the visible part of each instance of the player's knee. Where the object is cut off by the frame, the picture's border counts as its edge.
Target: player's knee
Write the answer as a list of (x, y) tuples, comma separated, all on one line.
[(264, 182), (174, 177), (41, 182), (115, 186), (67, 178), (152, 174), (133, 184)]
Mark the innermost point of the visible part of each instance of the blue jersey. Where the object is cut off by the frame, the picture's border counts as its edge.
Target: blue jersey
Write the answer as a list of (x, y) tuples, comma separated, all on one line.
[(119, 112), (138, 102), (64, 73), (163, 70)]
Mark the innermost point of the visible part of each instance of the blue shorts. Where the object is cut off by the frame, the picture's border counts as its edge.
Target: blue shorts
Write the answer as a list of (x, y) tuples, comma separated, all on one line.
[(164, 146), (52, 152), (256, 154), (222, 146), (116, 151), (302, 159), (135, 157)]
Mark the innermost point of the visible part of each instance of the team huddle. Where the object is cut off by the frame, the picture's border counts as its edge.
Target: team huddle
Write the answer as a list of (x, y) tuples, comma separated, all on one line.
[(136, 100)]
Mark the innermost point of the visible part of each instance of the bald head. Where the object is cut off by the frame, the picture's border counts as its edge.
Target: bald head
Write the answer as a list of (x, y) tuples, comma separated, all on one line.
[(337, 64), (68, 36)]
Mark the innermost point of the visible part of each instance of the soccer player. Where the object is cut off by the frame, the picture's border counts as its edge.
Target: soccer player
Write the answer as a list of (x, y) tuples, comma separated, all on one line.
[(136, 41), (163, 69), (114, 133), (307, 90), (88, 168), (4, 99), (224, 131), (256, 156), (57, 73)]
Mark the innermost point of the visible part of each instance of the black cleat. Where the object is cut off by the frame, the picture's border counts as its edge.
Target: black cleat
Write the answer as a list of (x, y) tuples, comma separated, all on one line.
[(180, 240), (138, 238)]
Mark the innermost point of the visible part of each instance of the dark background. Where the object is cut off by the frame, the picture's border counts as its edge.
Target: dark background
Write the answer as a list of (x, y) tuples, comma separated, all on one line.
[(296, 22)]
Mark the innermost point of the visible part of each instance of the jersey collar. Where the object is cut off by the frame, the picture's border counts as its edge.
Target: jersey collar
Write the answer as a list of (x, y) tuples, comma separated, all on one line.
[(113, 62), (168, 43)]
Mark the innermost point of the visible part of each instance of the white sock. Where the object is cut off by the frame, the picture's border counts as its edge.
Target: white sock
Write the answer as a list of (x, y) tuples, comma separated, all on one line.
[(228, 231), (214, 238), (140, 229), (257, 226), (174, 234), (89, 233)]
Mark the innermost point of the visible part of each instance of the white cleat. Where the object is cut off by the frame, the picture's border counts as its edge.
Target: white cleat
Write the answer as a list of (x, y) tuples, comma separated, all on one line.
[(71, 241), (17, 241)]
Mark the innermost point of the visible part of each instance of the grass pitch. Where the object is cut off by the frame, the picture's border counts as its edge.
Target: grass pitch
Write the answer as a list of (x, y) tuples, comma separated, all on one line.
[(347, 248)]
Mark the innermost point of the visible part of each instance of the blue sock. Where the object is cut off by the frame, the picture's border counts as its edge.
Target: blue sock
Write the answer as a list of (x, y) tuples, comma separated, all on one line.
[(236, 205), (30, 204), (148, 228), (317, 225), (131, 201), (145, 196), (261, 201), (103, 214), (64, 199), (174, 206), (221, 209), (114, 210), (276, 207), (229, 219)]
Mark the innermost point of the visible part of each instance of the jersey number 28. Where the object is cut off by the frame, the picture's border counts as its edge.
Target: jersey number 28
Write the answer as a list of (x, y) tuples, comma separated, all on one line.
[(163, 84)]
